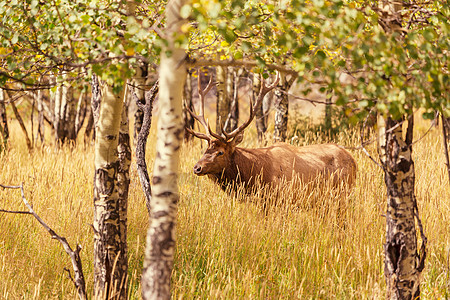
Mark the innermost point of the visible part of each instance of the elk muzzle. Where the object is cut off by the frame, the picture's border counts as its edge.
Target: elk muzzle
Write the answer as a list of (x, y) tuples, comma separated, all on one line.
[(198, 170)]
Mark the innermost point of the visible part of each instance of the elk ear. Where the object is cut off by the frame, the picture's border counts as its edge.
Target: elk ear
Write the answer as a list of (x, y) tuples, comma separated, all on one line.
[(238, 138)]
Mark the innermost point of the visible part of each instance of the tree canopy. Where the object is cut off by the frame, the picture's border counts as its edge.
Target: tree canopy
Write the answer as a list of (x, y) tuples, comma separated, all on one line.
[(395, 70)]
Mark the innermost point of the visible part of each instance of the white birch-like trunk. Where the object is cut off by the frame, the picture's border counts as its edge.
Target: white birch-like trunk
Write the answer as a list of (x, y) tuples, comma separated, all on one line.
[(160, 248), (41, 127), (223, 101), (282, 109), (108, 276), (403, 263), (4, 131), (57, 95)]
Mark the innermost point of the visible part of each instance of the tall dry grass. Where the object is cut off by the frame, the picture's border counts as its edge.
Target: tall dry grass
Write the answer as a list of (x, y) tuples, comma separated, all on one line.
[(228, 247)]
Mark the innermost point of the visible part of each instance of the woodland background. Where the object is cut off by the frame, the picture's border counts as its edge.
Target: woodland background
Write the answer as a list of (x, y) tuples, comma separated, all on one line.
[(343, 64)]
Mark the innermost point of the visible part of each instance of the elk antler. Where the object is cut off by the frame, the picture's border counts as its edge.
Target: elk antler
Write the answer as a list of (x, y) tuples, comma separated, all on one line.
[(262, 92), (201, 116)]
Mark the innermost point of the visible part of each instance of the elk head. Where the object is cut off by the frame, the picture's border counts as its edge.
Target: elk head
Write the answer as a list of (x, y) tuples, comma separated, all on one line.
[(220, 149)]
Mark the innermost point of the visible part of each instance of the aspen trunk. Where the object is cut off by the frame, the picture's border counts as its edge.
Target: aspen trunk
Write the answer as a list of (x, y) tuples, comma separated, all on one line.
[(188, 104), (223, 101), (80, 112), (57, 126), (68, 114), (328, 111), (261, 126), (141, 144), (230, 89), (89, 125), (123, 183), (445, 141), (95, 102), (281, 110), (160, 248), (446, 123), (40, 108), (403, 265), (234, 109), (4, 131), (139, 91), (266, 104), (109, 273)]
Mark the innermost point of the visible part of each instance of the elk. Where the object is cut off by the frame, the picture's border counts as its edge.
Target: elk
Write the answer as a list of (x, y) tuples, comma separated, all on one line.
[(227, 164)]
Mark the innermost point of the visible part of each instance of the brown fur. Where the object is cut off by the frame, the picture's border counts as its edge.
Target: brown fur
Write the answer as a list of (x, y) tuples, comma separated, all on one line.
[(275, 164)]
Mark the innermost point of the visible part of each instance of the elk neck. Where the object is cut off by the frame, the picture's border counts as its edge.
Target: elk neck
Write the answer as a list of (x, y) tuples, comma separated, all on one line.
[(243, 167)]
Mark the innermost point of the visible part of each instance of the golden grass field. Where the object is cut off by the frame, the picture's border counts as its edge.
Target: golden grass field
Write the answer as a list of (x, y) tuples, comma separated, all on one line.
[(328, 247)]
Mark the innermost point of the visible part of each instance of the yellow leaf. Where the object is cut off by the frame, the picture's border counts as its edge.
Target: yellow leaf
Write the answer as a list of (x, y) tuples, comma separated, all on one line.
[(130, 51), (185, 28)]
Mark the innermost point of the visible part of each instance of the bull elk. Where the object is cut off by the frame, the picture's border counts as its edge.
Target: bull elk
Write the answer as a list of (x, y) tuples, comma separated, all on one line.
[(226, 164)]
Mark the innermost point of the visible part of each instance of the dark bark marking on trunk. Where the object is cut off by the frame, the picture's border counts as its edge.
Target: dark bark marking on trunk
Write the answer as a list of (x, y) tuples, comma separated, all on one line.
[(156, 180), (165, 194), (160, 214)]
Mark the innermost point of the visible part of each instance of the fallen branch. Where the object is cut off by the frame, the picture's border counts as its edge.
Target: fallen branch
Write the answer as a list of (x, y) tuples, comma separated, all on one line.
[(79, 281)]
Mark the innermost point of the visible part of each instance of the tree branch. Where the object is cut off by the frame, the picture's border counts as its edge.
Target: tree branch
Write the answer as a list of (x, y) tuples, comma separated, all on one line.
[(142, 140), (79, 281), (445, 127), (194, 63)]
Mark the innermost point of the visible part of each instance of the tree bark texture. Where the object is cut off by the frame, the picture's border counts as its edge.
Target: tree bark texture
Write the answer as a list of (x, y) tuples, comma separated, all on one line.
[(445, 141), (141, 143), (223, 101), (69, 115), (40, 108), (234, 109), (160, 248), (80, 115), (281, 110), (261, 126), (109, 272), (229, 87), (64, 112), (266, 104), (89, 124), (123, 183), (95, 101), (139, 91), (403, 264), (446, 123), (188, 104), (4, 131), (57, 126), (328, 111)]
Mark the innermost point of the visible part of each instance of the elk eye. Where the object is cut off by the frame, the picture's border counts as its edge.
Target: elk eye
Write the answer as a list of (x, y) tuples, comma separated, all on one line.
[(220, 153)]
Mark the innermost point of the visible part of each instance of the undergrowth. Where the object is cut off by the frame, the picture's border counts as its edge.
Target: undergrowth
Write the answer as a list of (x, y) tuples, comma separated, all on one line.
[(322, 244)]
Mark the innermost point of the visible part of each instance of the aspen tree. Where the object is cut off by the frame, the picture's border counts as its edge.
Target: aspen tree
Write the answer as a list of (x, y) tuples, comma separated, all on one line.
[(403, 264), (188, 104), (109, 275), (281, 111), (160, 248), (111, 182), (261, 126), (223, 100)]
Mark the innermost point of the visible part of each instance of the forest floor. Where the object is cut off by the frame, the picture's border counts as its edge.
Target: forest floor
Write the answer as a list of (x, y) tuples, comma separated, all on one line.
[(325, 245)]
